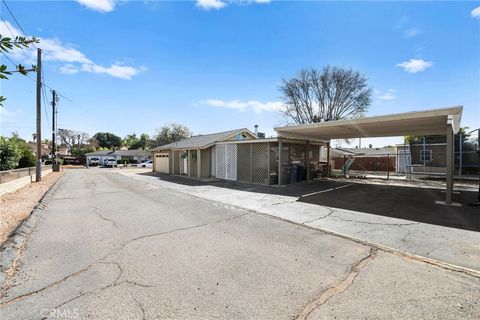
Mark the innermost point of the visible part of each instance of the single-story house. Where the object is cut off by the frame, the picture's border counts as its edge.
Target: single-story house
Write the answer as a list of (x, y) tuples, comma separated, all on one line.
[(131, 156), (239, 155)]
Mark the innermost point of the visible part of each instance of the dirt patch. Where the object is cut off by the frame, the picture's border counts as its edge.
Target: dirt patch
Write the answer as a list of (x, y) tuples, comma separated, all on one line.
[(17, 206)]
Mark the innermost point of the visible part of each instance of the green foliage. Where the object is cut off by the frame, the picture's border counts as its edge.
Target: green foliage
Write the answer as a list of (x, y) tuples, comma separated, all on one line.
[(108, 140), (16, 153), (171, 133), (10, 154), (133, 143), (82, 150), (27, 159), (7, 44)]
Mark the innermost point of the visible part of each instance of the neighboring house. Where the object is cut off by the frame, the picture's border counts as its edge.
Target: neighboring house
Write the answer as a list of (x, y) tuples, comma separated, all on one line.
[(365, 159), (431, 158), (195, 156), (239, 155), (46, 148), (131, 156)]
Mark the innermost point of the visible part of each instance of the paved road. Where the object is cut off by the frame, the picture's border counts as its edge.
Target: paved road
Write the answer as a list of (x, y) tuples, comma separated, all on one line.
[(111, 247)]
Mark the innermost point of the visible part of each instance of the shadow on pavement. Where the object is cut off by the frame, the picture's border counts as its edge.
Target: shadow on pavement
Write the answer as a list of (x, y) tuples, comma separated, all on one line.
[(409, 203)]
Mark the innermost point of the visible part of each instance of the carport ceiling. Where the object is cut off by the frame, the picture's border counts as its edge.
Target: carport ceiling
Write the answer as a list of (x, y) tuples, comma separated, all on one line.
[(430, 122)]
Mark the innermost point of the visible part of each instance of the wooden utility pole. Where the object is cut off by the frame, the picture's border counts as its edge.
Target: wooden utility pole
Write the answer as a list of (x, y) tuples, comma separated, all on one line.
[(54, 151), (39, 116)]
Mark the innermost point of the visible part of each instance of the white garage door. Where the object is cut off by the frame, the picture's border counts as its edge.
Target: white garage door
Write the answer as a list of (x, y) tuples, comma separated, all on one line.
[(162, 162)]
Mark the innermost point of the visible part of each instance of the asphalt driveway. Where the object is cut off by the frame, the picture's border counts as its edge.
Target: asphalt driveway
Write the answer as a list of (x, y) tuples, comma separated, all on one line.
[(108, 246)]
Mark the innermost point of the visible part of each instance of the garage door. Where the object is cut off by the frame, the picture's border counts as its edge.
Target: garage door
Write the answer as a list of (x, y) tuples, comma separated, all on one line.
[(162, 162)]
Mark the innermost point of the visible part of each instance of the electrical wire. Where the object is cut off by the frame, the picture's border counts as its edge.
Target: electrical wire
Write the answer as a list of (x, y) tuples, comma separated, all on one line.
[(16, 21)]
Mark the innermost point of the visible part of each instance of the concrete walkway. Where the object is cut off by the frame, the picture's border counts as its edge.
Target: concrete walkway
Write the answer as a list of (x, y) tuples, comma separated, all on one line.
[(443, 245)]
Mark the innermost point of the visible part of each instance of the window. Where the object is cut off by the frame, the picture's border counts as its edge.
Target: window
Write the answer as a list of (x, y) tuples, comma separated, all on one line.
[(426, 155)]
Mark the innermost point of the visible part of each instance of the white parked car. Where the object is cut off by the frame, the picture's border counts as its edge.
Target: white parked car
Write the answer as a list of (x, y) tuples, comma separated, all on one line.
[(94, 162), (146, 164), (111, 162)]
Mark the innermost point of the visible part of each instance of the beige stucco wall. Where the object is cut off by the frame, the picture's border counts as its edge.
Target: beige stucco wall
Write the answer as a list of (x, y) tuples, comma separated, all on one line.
[(14, 185)]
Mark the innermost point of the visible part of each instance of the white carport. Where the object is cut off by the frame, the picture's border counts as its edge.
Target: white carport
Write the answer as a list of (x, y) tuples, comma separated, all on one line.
[(445, 121)]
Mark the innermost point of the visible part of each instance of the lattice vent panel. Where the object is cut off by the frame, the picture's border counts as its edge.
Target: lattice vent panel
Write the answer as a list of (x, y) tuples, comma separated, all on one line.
[(220, 162), (244, 162), (260, 172)]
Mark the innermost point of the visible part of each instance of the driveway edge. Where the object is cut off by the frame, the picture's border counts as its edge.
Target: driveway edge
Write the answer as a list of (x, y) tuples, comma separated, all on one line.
[(405, 254), (16, 243)]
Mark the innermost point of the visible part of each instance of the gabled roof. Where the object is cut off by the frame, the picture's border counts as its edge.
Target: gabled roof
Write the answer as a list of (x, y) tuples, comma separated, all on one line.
[(203, 141), (127, 153), (99, 153), (124, 153)]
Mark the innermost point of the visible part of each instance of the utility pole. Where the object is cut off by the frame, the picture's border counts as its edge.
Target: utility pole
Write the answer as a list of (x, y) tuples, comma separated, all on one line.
[(54, 151), (39, 116)]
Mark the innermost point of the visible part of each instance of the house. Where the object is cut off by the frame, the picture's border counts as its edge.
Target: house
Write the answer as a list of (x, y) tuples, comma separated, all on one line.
[(131, 156), (429, 156), (239, 155), (195, 156)]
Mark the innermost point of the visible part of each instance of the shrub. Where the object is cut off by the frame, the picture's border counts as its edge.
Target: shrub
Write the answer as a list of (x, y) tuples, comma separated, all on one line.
[(10, 154), (27, 159)]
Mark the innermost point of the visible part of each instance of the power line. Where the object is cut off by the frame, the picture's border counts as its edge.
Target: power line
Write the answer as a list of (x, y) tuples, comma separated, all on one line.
[(45, 101), (8, 58), (16, 21), (13, 35)]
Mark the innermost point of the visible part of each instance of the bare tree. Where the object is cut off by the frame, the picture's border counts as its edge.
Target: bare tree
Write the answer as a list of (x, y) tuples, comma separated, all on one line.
[(73, 139), (334, 93)]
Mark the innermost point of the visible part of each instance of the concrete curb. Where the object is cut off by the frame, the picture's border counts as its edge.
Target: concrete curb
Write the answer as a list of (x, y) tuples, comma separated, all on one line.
[(17, 241)]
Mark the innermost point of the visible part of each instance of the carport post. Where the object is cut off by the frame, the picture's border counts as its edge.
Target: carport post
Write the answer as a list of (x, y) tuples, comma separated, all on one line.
[(280, 146), (450, 159)]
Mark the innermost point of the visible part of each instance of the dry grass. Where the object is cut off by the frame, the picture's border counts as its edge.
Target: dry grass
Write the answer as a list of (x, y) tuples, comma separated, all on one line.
[(17, 206)]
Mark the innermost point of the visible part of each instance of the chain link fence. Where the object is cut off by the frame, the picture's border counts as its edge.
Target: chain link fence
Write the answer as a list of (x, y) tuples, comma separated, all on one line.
[(417, 160), (10, 175)]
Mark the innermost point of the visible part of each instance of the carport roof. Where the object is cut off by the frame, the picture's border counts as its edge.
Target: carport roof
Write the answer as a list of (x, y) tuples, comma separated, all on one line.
[(429, 122)]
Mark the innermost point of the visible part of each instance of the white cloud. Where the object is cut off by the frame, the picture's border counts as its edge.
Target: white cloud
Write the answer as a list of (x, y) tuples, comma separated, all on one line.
[(412, 32), (476, 13), (256, 106), (415, 65), (98, 5), (210, 4), (219, 4), (115, 70), (75, 61), (386, 96), (68, 69)]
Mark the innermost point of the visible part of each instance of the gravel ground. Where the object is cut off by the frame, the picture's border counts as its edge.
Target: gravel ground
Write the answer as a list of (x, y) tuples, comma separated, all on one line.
[(17, 206)]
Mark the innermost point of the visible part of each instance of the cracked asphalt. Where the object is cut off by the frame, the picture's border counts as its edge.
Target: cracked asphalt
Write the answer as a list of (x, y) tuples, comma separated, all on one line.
[(111, 247)]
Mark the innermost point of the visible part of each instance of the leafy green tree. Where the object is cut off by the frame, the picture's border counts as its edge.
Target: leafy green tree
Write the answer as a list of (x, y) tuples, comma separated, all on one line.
[(82, 150), (130, 140), (7, 44), (171, 133), (9, 154), (108, 140)]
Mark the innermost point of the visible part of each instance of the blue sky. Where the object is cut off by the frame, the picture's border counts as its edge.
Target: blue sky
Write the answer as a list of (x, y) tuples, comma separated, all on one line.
[(133, 66)]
